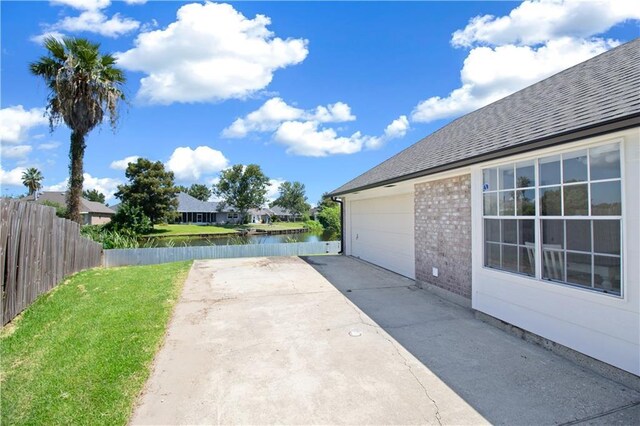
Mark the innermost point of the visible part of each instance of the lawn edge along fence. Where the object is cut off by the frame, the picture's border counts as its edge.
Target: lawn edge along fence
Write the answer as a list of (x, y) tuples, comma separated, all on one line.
[(151, 256), (37, 251)]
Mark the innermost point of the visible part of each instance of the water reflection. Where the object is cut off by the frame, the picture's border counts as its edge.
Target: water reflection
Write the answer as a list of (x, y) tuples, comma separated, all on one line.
[(307, 237)]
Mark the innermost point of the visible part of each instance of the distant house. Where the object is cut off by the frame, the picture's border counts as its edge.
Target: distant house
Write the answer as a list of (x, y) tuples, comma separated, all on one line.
[(260, 215), (285, 215), (192, 210), (92, 213), (525, 210)]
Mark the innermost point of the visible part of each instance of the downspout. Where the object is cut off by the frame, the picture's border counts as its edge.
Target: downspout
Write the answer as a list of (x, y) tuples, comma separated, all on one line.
[(339, 201)]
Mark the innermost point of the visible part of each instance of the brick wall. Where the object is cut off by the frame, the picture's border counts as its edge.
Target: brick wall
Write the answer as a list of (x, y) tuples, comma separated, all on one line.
[(443, 233)]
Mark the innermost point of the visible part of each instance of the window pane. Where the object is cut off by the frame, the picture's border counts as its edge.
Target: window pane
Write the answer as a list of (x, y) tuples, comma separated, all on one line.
[(605, 199), (506, 203), (579, 269), (550, 170), (606, 236), (553, 234), (506, 176), (525, 174), (527, 262), (574, 167), (492, 255), (607, 273), (510, 258), (490, 203), (576, 200), (579, 235), (492, 230), (490, 179), (553, 265), (526, 232), (550, 201), (509, 231), (605, 162), (526, 202)]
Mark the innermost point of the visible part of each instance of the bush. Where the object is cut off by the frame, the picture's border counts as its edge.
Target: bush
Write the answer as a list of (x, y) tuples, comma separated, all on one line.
[(61, 211), (314, 226), (329, 217), (130, 219), (110, 239)]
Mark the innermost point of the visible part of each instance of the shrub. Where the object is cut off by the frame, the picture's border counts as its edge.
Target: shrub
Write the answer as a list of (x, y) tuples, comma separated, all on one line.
[(313, 226), (110, 239), (61, 211), (329, 217), (130, 219)]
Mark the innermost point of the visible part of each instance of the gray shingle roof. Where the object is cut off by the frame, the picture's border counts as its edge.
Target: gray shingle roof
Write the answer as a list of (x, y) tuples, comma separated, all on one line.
[(86, 206), (604, 89), (189, 204)]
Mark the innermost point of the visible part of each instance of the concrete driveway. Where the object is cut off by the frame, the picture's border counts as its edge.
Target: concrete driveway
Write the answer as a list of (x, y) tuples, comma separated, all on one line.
[(337, 341)]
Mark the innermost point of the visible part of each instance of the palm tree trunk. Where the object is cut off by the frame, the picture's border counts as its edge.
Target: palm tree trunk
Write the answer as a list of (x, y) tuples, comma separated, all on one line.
[(76, 157)]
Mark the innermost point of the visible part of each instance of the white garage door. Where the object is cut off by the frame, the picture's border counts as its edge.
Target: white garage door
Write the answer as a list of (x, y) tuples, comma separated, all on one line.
[(382, 232)]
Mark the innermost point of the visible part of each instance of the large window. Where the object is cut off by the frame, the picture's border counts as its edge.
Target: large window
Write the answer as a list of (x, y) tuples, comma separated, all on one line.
[(557, 218)]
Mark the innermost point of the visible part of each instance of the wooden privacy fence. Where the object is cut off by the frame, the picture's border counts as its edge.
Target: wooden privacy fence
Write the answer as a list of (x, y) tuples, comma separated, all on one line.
[(149, 256), (37, 251)]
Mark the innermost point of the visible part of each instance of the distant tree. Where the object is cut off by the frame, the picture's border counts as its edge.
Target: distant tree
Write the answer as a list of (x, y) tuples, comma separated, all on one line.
[(32, 179), (151, 188), (84, 86), (199, 191), (94, 195), (242, 187), (292, 198), (182, 188), (326, 201)]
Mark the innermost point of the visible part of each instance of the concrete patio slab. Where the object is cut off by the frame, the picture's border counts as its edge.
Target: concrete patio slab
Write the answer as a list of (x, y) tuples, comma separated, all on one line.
[(273, 340)]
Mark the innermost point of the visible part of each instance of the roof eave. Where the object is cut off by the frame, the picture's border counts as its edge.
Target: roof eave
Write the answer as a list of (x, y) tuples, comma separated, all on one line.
[(620, 123)]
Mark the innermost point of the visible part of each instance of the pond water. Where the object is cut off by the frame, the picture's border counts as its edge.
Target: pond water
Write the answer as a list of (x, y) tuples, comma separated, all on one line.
[(306, 237)]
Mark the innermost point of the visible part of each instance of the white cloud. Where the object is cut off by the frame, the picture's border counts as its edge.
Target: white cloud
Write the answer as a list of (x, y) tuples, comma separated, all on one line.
[(275, 111), (122, 164), (83, 4), (489, 74), (303, 133), (189, 164), (535, 22), (94, 21), (108, 186), (15, 122), (210, 53), (49, 145), (272, 189), (306, 138), (135, 1), (536, 40), (47, 34), (11, 177), (14, 151)]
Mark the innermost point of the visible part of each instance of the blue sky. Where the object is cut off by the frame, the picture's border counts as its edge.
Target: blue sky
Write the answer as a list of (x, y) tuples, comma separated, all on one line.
[(317, 92)]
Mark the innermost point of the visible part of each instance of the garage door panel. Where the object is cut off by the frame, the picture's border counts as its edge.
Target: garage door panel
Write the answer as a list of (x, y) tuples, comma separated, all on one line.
[(382, 232)]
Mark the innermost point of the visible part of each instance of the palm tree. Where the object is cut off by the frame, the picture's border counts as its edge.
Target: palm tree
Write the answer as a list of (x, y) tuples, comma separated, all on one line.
[(32, 178), (84, 86)]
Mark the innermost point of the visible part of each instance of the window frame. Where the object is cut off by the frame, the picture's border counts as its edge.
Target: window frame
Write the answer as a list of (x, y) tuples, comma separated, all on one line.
[(538, 217)]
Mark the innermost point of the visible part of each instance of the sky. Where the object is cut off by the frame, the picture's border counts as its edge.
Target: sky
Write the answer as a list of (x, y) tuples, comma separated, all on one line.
[(316, 92)]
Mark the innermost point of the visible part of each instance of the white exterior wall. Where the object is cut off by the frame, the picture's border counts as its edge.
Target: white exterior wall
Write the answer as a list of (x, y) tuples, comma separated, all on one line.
[(605, 327), (380, 230)]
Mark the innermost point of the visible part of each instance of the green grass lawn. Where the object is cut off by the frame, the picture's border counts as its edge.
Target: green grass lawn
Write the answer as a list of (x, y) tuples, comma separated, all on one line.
[(175, 230), (82, 352)]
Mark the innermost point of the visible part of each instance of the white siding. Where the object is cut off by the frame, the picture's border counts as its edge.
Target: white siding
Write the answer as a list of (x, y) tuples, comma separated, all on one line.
[(602, 326), (380, 230)]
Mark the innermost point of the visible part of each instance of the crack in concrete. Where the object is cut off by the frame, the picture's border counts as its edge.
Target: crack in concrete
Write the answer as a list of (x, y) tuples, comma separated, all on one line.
[(600, 415), (404, 359)]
